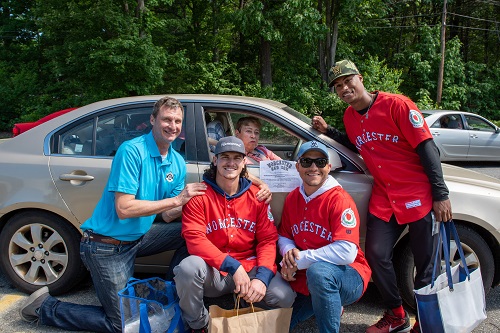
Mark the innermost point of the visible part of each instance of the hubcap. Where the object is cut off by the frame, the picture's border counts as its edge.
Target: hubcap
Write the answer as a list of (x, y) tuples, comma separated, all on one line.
[(38, 254)]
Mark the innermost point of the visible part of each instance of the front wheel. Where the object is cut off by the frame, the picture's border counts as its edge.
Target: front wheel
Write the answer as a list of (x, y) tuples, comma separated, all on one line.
[(41, 249), (476, 251)]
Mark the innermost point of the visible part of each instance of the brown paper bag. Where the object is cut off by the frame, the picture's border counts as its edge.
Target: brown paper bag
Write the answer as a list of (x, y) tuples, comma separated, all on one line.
[(249, 320)]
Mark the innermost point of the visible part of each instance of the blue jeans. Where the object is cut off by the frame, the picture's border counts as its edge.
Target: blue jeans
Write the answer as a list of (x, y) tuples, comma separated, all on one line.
[(110, 267), (331, 287)]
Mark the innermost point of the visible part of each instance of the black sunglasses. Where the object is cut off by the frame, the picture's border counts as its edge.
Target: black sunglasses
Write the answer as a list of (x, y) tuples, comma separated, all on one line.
[(307, 162)]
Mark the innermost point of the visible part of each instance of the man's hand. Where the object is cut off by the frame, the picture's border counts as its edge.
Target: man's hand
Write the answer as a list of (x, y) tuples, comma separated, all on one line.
[(264, 193), (241, 281), (191, 190), (288, 274), (319, 124), (256, 292), (442, 210), (289, 258)]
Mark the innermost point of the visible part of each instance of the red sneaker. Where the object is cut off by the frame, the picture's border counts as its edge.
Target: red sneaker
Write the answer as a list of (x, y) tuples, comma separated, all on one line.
[(390, 323), (415, 328)]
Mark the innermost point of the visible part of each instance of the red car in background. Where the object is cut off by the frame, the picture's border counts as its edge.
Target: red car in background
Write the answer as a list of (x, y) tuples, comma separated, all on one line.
[(23, 127)]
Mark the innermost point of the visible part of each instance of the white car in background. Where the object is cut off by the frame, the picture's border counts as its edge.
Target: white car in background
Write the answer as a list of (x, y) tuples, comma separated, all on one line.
[(463, 136)]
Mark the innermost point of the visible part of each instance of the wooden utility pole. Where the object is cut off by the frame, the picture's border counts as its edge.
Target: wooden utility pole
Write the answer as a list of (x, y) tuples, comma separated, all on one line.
[(441, 65)]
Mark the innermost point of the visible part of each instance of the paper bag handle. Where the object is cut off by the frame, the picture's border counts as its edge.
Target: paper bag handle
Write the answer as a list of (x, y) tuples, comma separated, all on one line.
[(237, 305)]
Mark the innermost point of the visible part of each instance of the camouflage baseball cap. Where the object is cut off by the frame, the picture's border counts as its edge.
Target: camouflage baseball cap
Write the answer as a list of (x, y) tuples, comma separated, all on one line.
[(341, 68)]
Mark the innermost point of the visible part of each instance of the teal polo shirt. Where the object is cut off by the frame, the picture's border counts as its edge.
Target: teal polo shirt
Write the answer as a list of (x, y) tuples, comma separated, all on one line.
[(137, 169)]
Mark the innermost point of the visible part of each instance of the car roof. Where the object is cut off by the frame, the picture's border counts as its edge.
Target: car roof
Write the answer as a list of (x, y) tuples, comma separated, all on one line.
[(442, 112), (41, 132)]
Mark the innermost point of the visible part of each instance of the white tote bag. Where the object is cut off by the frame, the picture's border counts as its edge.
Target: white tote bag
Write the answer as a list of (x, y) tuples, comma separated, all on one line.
[(454, 301)]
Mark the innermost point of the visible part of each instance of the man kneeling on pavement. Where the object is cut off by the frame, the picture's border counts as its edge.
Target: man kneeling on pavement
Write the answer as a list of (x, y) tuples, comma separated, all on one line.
[(319, 242), (232, 238)]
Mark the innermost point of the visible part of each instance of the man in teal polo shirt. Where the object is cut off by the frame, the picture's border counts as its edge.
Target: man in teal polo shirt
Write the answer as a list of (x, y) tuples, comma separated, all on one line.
[(146, 179)]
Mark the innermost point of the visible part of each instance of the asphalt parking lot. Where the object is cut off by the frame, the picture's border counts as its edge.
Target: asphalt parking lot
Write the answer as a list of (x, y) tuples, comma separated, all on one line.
[(356, 319)]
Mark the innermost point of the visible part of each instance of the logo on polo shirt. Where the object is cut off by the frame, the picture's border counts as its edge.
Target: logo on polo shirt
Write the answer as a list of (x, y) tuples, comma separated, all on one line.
[(169, 177), (348, 219)]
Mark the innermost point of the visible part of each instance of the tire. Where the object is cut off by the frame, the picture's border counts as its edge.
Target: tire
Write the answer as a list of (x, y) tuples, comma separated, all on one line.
[(41, 249), (476, 251)]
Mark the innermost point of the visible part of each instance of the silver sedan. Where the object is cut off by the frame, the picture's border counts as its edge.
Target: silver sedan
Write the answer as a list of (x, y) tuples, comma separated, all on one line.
[(464, 136)]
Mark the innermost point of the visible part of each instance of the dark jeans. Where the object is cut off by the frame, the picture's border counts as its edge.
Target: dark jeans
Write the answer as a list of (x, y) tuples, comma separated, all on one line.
[(381, 237), (110, 267)]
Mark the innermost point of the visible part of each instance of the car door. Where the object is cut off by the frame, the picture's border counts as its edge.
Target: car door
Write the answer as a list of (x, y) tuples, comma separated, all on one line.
[(451, 137), (82, 152), (484, 139)]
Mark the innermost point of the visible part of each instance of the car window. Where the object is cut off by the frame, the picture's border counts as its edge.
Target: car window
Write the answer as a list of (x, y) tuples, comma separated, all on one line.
[(111, 130), (272, 137), (450, 121), (276, 135), (78, 140), (478, 124)]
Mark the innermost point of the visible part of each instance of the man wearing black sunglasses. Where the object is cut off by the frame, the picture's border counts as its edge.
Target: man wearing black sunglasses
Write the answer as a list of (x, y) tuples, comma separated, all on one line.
[(319, 242)]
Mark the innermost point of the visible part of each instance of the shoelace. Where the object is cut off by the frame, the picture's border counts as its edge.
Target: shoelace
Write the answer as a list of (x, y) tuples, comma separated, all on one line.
[(384, 321)]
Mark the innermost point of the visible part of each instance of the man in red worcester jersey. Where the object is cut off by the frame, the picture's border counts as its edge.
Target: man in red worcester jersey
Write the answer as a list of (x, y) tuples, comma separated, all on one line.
[(319, 242), (231, 238), (390, 133)]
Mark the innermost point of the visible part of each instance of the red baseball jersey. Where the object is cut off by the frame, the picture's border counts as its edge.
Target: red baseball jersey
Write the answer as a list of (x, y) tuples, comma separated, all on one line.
[(241, 227), (329, 217), (386, 137)]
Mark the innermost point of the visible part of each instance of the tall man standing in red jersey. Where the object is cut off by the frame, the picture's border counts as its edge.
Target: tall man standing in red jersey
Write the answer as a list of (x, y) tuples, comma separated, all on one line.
[(391, 135), (319, 242), (231, 237)]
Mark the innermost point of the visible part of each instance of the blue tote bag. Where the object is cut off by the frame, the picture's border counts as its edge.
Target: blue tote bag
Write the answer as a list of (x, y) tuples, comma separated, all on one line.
[(454, 301), (150, 306)]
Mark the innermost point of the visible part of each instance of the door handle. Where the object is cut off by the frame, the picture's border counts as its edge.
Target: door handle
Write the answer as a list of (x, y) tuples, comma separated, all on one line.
[(81, 178)]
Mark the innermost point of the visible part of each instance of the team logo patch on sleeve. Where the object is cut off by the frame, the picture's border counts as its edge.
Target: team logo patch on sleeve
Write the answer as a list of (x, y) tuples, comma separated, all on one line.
[(269, 214), (348, 219), (416, 119)]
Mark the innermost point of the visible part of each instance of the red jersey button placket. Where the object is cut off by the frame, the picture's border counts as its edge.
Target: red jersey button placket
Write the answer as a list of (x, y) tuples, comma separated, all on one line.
[(230, 233)]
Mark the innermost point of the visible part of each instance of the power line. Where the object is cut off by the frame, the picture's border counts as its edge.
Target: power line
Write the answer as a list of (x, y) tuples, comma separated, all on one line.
[(401, 17), (473, 28), (430, 25), (490, 2), (402, 26), (475, 18)]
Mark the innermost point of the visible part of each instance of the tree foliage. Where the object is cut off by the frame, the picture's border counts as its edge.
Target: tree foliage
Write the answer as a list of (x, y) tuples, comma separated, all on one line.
[(58, 54)]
